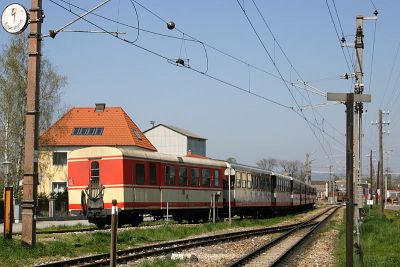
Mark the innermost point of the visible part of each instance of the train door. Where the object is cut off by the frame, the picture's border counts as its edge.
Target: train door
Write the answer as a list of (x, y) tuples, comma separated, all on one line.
[(95, 189), (273, 190)]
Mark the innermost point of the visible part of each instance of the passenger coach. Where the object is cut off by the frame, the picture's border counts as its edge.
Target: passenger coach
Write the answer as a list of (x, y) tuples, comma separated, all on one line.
[(257, 192), (142, 182)]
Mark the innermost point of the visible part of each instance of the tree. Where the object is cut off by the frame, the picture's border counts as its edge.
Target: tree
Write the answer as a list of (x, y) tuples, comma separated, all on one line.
[(284, 164), (231, 160), (13, 84), (267, 164)]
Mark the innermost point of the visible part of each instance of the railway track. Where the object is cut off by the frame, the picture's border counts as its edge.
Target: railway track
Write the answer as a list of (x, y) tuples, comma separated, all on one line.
[(179, 245), (278, 250)]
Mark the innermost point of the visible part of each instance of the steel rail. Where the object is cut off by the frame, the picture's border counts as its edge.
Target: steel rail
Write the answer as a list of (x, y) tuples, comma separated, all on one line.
[(162, 248), (246, 258), (300, 242)]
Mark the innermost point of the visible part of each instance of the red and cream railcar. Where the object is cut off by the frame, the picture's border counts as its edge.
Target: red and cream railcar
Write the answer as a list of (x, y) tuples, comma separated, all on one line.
[(142, 182)]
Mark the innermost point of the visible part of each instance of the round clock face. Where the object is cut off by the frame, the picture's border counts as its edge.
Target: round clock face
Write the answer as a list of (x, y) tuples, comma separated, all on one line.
[(14, 18)]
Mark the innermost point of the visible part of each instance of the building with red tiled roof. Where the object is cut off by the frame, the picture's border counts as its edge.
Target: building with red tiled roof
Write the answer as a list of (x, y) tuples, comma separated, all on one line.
[(83, 127)]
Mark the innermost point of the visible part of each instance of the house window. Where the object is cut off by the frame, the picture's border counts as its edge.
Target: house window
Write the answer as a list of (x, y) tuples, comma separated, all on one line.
[(195, 177), (94, 172), (59, 187), (216, 177), (153, 174), (140, 176), (87, 131), (183, 176), (206, 177), (59, 158), (137, 134), (169, 175)]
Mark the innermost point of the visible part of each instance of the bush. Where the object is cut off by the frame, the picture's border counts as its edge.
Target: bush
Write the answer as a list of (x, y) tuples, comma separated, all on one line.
[(42, 205)]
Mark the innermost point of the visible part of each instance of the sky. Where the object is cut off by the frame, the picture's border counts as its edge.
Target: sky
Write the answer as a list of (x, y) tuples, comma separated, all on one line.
[(240, 88)]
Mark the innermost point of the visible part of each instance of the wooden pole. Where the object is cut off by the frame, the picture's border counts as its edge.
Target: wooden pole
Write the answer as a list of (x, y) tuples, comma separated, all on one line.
[(32, 126), (8, 212), (349, 179)]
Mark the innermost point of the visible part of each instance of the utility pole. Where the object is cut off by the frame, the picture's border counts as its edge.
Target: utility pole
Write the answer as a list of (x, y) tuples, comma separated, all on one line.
[(350, 101), (371, 174), (358, 89), (31, 126), (349, 180), (381, 162), (377, 181), (332, 187)]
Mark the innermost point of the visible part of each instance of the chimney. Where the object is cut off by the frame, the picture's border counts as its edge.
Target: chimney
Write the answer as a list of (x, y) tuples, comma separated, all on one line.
[(100, 107)]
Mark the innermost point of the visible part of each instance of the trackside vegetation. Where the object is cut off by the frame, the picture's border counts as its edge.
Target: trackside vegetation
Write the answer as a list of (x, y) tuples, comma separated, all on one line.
[(379, 240), (50, 247)]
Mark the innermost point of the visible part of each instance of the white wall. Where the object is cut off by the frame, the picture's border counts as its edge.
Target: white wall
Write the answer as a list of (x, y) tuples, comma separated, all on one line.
[(167, 141)]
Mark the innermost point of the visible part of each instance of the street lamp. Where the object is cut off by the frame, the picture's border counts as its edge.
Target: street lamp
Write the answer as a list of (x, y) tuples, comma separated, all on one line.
[(6, 168)]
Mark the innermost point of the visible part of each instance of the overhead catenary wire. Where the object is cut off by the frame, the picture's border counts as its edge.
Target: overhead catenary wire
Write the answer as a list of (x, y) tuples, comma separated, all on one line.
[(190, 39), (390, 75), (307, 99), (338, 37), (301, 114), (341, 30), (171, 60), (196, 70)]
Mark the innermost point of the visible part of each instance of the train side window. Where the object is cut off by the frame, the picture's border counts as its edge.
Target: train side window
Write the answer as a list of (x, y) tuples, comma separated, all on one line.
[(244, 180), (195, 177), (206, 177), (249, 182), (216, 177), (238, 180), (153, 174), (94, 172), (169, 175), (183, 176), (140, 175)]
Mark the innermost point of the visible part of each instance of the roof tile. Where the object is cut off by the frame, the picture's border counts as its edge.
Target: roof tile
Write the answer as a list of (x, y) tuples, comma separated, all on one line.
[(118, 129)]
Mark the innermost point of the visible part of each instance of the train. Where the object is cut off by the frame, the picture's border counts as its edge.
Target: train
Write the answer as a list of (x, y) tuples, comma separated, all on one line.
[(186, 187)]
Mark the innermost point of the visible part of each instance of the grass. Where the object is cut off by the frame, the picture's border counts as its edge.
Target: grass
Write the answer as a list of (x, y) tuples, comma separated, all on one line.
[(159, 263), (55, 247), (380, 239), (66, 227)]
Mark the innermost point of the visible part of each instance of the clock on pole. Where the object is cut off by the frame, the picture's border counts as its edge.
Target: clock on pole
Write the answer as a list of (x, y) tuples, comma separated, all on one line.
[(14, 18)]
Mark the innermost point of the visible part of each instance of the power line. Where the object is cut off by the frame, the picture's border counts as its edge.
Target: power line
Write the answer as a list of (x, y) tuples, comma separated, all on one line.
[(341, 29), (280, 74), (196, 70), (391, 73), (291, 65), (337, 34), (171, 61)]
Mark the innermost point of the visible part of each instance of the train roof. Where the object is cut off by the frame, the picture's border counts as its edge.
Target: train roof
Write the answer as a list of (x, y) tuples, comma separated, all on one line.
[(100, 152), (249, 168)]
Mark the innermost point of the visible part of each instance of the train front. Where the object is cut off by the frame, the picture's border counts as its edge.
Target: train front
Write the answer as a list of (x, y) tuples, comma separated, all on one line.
[(89, 193)]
